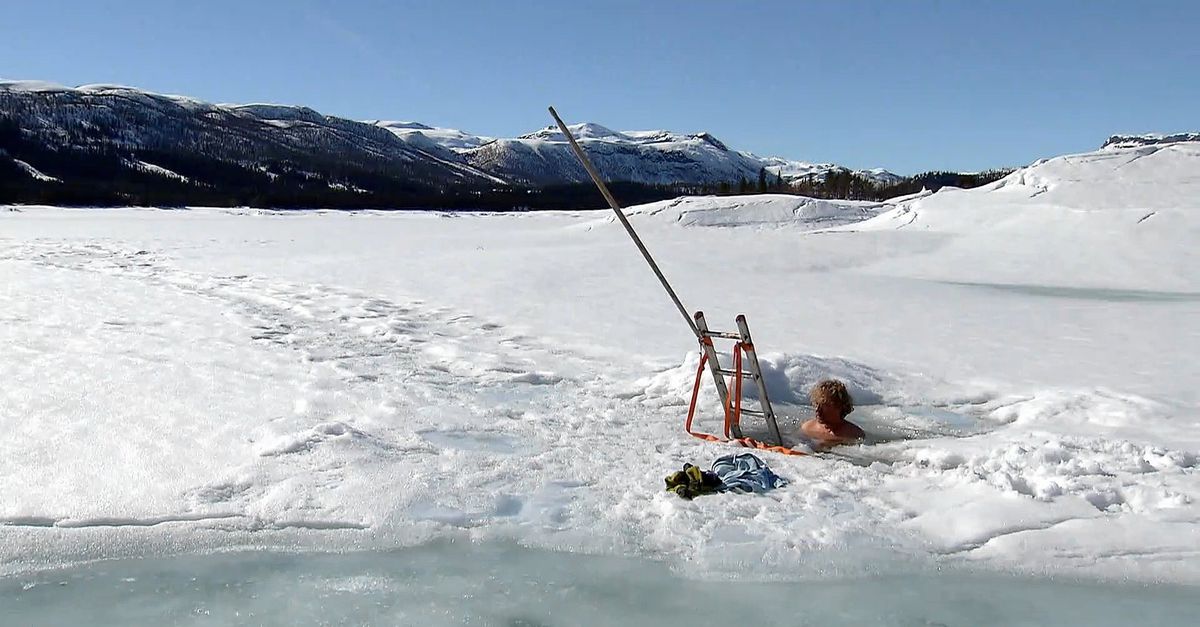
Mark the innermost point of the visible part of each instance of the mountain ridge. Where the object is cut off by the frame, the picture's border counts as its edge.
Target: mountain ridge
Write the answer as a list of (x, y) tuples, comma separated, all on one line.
[(525, 157), (111, 144), (540, 157)]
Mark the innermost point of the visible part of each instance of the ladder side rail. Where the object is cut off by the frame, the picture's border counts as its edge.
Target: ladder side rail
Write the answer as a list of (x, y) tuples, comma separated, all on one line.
[(715, 368), (764, 401), (736, 412)]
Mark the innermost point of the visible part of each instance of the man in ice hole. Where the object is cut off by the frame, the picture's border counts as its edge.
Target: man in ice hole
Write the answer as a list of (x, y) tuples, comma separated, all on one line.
[(832, 403)]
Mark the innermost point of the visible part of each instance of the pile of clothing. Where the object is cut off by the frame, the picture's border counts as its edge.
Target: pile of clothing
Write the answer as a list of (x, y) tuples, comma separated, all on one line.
[(741, 473)]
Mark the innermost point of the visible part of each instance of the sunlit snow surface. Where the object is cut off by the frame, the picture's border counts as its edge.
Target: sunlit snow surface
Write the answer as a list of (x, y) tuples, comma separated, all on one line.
[(180, 382)]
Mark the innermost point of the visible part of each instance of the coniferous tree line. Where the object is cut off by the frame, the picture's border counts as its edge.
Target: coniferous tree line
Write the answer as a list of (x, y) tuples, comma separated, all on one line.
[(843, 184)]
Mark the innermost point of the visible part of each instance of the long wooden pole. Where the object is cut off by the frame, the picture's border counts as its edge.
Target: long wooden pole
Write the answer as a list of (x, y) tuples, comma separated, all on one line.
[(612, 202)]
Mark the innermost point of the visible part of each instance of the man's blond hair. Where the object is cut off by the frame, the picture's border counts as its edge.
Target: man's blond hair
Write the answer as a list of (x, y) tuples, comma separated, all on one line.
[(831, 391)]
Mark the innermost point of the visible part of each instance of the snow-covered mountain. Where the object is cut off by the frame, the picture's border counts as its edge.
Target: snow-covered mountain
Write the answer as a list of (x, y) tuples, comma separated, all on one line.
[(427, 135), (113, 136), (107, 144), (656, 157), (101, 141)]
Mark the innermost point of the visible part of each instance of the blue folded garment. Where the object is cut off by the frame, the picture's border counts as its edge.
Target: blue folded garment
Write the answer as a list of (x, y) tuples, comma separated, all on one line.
[(745, 472)]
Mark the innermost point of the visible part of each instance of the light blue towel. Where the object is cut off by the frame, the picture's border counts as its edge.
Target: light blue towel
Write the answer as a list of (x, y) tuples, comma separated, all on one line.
[(745, 472)]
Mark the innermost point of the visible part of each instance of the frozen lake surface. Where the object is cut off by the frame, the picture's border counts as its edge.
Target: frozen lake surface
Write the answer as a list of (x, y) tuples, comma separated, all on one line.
[(1021, 355), (465, 583)]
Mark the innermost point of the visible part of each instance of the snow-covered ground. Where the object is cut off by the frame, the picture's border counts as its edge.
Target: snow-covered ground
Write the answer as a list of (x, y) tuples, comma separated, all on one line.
[(1023, 357)]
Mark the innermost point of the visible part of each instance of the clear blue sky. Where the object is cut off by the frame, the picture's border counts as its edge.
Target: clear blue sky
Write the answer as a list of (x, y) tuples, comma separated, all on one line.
[(908, 86)]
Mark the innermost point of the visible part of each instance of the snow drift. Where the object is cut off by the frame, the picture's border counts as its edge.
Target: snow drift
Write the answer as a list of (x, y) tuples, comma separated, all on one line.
[(1119, 218), (762, 210)]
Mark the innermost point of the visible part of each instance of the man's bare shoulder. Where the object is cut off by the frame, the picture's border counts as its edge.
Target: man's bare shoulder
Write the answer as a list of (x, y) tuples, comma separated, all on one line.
[(822, 434), (815, 430)]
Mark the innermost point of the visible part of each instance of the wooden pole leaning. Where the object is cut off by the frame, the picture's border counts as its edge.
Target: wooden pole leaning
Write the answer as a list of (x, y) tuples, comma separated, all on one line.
[(699, 327), (612, 202)]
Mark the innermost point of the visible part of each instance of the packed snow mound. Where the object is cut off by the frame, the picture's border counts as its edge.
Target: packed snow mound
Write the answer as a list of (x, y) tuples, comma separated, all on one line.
[(788, 378), (1147, 139), (1121, 218), (774, 210), (1145, 178), (1159, 176)]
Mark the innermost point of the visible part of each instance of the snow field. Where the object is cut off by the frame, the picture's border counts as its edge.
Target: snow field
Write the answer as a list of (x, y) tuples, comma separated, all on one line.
[(205, 380)]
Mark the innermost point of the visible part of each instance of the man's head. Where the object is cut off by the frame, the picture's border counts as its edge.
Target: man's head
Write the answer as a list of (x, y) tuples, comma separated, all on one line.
[(831, 400)]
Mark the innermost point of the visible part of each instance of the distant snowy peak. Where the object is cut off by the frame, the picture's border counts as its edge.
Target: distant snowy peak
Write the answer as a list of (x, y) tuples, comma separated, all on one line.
[(31, 86), (131, 93), (651, 156), (1147, 139), (48, 87), (597, 132), (655, 157), (880, 175), (279, 112), (427, 136), (728, 165), (797, 171), (403, 126), (586, 130)]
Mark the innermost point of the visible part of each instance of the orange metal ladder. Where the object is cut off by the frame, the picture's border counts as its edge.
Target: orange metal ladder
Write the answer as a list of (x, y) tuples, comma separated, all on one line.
[(745, 366)]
